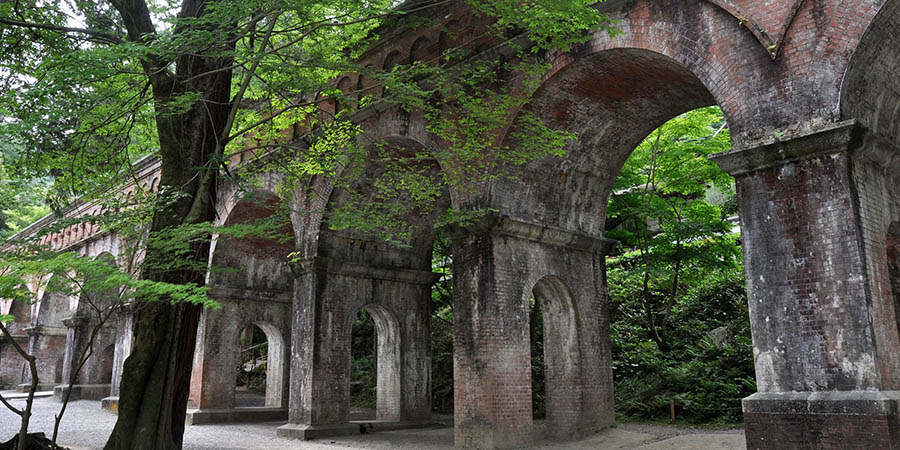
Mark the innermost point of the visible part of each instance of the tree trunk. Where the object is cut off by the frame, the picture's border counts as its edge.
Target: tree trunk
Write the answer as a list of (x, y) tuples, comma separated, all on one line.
[(156, 377)]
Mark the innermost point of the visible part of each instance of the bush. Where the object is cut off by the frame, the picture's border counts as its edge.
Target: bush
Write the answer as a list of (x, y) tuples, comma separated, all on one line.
[(705, 381)]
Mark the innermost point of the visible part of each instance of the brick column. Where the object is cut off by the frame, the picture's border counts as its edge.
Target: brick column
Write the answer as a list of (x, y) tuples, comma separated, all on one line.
[(213, 375), (48, 345), (497, 265), (327, 295), (91, 382), (814, 216), (124, 318), (77, 336)]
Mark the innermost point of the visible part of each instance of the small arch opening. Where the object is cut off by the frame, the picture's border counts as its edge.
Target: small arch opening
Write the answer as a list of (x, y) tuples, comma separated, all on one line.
[(375, 366), (418, 51), (556, 357), (260, 377), (107, 355), (252, 369)]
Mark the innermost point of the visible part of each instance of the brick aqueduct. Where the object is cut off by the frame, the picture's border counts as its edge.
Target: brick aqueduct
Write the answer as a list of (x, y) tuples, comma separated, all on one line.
[(811, 91)]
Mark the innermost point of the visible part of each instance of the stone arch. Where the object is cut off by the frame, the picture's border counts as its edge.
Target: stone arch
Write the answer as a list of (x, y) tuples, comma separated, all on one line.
[(276, 364), (562, 355), (388, 345), (870, 92), (346, 268), (345, 85), (393, 59), (253, 262), (251, 278), (612, 99), (419, 50)]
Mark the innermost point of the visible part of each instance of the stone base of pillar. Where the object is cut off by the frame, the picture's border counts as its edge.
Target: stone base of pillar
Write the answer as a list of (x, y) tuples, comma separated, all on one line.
[(81, 392), (847, 420), (308, 432), (235, 415), (110, 404), (40, 388)]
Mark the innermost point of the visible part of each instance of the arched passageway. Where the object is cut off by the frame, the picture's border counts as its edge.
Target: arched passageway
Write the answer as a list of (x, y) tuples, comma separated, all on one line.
[(551, 221), (350, 268), (385, 354), (260, 363), (555, 313), (251, 280), (90, 341)]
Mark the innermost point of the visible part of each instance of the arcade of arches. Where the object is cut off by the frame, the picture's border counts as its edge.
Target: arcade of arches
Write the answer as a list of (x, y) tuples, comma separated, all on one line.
[(811, 92)]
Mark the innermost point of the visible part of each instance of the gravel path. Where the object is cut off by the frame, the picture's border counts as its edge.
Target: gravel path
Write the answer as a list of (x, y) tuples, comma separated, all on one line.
[(86, 426)]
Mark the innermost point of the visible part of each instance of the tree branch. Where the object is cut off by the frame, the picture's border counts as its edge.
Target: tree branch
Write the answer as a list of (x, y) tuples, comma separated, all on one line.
[(109, 38)]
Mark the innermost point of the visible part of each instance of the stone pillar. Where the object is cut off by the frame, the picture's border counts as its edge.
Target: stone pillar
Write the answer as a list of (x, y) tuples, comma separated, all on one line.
[(124, 339), (497, 265), (77, 336), (214, 372), (48, 345), (814, 215), (327, 295), (89, 382)]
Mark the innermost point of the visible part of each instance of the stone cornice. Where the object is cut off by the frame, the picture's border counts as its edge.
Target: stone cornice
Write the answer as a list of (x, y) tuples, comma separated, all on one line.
[(357, 270), (43, 330), (229, 292), (20, 338), (75, 321), (831, 139), (502, 225)]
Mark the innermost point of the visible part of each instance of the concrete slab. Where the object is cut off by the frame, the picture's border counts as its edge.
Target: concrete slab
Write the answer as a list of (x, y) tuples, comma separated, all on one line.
[(82, 392), (307, 432), (40, 387), (245, 414), (16, 395)]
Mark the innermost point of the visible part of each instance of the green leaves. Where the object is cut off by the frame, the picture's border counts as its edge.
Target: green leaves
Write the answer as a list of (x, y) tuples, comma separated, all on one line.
[(681, 277), (550, 24)]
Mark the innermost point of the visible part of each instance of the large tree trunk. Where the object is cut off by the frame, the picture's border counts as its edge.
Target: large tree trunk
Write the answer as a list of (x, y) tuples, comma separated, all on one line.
[(156, 376)]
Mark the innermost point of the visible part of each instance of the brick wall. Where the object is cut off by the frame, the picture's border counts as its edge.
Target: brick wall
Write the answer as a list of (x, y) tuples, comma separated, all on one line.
[(819, 432)]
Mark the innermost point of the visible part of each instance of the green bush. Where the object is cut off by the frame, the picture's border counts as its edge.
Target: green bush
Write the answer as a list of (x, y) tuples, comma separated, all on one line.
[(705, 381)]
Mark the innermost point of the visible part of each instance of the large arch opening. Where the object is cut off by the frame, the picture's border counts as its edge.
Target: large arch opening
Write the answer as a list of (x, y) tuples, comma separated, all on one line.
[(241, 359), (612, 100), (373, 260)]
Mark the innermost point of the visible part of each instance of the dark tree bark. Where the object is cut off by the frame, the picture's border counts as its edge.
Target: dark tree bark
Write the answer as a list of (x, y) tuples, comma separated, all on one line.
[(156, 377)]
